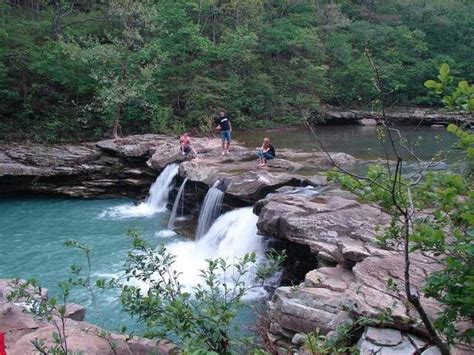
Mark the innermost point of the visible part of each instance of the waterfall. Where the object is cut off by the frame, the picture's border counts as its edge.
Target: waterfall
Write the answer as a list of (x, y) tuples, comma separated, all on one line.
[(159, 191), (210, 209), (176, 204), (154, 203), (231, 236)]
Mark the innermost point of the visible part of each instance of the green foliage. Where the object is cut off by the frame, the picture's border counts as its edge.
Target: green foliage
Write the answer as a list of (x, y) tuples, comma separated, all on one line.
[(200, 318), (170, 65), (459, 98)]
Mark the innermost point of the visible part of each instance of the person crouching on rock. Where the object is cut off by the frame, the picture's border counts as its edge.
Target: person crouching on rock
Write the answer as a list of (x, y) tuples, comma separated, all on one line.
[(265, 152), (226, 129), (185, 144)]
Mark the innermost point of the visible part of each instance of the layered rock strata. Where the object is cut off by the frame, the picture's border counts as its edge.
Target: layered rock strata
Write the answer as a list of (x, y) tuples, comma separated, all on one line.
[(128, 166), (355, 277)]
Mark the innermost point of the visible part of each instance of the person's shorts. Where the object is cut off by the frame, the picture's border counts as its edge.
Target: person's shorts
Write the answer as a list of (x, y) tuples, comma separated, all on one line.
[(225, 136)]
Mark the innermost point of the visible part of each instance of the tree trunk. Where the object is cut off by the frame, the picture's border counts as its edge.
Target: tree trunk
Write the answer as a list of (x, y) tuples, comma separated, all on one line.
[(117, 130), (412, 295)]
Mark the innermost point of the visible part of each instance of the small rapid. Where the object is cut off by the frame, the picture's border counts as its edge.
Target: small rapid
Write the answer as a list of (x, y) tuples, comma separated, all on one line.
[(210, 209), (155, 202)]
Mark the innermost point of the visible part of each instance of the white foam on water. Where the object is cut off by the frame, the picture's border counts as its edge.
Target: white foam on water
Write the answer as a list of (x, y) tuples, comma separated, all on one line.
[(231, 236), (166, 233)]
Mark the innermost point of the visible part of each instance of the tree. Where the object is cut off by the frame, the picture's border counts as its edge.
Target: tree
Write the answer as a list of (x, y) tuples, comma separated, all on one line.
[(124, 64)]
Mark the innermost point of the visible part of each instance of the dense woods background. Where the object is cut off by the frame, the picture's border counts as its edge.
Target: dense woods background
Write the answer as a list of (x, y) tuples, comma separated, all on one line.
[(72, 70)]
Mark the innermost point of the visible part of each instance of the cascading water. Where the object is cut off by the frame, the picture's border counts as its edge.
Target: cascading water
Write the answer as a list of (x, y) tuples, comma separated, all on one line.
[(231, 236), (210, 210), (154, 203), (176, 204)]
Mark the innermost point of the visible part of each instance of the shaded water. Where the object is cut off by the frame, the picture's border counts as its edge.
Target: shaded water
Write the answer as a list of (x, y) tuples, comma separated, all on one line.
[(360, 141)]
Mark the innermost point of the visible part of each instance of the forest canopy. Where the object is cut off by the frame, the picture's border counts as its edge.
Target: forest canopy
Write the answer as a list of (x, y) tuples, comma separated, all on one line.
[(70, 69)]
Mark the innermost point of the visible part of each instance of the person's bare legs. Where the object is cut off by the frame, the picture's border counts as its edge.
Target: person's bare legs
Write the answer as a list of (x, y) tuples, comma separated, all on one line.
[(227, 147), (223, 147)]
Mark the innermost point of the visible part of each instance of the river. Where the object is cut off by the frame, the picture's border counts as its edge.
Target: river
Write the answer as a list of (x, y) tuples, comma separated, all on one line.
[(34, 229)]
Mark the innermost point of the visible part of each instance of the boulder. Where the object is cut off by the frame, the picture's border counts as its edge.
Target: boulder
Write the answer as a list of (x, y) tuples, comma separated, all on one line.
[(368, 122), (87, 338), (15, 323), (316, 180), (253, 185), (75, 312), (324, 161), (383, 336), (330, 296), (21, 329), (137, 146)]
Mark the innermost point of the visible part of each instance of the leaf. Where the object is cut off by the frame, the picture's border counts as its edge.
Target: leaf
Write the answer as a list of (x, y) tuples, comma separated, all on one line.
[(431, 84), (444, 70)]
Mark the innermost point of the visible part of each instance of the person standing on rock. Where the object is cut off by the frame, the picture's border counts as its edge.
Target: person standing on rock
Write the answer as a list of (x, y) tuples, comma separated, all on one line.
[(266, 152), (225, 128)]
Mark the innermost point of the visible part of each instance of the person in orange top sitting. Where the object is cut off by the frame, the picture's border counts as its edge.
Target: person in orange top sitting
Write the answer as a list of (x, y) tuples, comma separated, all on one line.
[(185, 144)]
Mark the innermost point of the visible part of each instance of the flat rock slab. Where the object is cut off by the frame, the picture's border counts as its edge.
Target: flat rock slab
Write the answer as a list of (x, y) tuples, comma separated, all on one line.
[(386, 341), (336, 228), (128, 166), (383, 336)]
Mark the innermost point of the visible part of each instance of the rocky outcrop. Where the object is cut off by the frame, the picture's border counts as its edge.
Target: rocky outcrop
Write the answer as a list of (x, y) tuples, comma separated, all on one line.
[(84, 170), (128, 166), (412, 116), (338, 229), (85, 338), (354, 276), (242, 180), (21, 328)]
